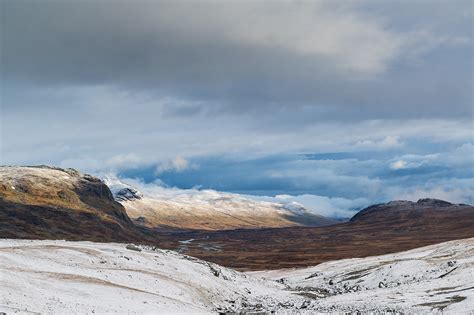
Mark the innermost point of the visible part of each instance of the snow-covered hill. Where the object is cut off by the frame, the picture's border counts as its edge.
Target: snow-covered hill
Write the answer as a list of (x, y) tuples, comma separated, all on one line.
[(62, 277), (207, 209), (428, 279), (82, 277)]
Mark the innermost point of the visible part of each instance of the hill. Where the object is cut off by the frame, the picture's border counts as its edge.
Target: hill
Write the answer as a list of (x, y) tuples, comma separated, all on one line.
[(403, 210), (52, 203)]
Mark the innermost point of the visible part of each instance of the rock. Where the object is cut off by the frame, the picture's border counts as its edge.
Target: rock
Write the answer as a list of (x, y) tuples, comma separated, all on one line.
[(305, 304), (313, 275), (127, 193), (434, 202), (133, 247)]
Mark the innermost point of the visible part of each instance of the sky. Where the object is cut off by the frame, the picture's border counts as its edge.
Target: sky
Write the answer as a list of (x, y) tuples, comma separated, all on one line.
[(334, 104)]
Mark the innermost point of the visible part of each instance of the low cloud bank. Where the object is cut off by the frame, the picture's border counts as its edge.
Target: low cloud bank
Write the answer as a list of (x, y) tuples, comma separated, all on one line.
[(337, 208), (331, 207)]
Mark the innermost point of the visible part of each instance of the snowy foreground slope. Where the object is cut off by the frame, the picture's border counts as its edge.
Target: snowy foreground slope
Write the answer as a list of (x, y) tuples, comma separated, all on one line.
[(85, 277), (432, 278)]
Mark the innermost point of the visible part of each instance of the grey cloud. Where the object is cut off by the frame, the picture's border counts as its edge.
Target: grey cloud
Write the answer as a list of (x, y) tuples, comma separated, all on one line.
[(333, 60)]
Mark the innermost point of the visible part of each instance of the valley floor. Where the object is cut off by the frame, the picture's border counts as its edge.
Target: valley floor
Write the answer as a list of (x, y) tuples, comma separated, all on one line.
[(85, 277)]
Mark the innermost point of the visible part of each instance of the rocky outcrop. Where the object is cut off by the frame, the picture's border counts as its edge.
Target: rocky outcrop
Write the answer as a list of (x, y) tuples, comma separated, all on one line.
[(128, 194)]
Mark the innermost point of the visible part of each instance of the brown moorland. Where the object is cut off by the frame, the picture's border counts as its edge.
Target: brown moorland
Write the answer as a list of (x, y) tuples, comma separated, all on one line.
[(377, 230)]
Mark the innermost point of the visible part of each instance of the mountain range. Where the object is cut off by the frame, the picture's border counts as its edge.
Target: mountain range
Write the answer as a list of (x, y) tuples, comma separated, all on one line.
[(44, 202), (174, 209)]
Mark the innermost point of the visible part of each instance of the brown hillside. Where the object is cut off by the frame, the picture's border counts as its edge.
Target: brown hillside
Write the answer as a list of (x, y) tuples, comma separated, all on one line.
[(53, 203)]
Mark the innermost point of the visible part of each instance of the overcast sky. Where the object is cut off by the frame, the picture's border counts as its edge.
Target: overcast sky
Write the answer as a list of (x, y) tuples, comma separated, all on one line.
[(350, 102)]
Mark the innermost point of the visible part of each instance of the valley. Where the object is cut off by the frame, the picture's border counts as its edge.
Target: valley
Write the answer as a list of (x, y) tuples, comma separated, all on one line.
[(303, 246), (67, 238), (53, 203)]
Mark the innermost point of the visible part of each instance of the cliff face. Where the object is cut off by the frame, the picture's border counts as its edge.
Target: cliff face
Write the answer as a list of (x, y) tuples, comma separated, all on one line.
[(47, 202)]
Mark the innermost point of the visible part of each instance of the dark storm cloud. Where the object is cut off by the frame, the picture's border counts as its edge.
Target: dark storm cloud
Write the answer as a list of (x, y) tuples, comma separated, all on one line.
[(339, 61)]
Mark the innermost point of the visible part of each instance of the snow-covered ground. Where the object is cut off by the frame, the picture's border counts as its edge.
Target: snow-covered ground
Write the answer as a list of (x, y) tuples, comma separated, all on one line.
[(83, 277), (64, 277), (428, 279)]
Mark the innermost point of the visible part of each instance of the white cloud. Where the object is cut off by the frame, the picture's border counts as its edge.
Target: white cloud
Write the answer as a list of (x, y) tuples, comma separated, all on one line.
[(320, 30), (398, 165), (326, 206), (414, 161), (462, 155), (177, 164), (419, 42), (388, 142), (121, 161)]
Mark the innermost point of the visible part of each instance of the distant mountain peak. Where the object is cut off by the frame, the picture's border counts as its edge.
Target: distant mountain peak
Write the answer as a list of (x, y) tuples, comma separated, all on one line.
[(397, 208), (127, 193), (122, 191)]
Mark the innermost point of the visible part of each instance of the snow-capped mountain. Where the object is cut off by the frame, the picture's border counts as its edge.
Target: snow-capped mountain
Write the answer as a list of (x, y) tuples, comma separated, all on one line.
[(160, 207)]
